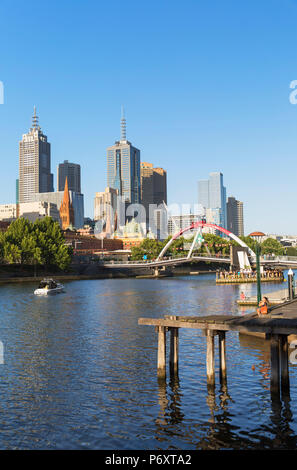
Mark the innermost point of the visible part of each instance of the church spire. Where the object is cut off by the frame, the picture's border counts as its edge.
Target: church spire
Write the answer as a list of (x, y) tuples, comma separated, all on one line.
[(66, 209)]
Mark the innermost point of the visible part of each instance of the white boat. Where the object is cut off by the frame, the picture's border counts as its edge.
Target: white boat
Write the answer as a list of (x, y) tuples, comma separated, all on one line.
[(49, 287)]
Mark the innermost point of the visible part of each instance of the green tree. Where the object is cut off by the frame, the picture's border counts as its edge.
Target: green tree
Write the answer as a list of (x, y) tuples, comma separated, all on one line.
[(17, 241), (51, 242), (250, 242), (291, 251), (149, 247), (270, 245), (39, 243)]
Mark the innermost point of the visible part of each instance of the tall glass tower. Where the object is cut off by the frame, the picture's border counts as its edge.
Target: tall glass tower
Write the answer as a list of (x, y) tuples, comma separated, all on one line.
[(212, 196), (123, 168), (34, 163)]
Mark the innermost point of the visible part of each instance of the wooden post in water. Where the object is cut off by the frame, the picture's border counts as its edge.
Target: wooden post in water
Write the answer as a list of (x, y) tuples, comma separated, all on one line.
[(285, 382), (210, 363), (275, 366), (173, 358), (222, 354), (161, 367)]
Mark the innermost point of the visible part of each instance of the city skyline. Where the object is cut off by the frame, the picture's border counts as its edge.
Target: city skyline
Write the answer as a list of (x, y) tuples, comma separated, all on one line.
[(36, 127), (219, 116)]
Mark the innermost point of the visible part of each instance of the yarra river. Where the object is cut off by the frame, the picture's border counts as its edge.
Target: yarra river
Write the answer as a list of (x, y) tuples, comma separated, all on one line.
[(79, 373)]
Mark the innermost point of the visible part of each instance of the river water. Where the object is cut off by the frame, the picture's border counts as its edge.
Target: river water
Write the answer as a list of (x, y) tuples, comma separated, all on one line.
[(79, 373)]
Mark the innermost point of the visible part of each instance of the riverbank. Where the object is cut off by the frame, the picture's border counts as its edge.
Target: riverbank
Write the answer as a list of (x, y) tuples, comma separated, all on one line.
[(89, 271)]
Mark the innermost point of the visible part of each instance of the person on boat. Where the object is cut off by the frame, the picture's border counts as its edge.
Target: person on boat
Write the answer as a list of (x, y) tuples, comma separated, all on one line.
[(242, 295), (263, 307)]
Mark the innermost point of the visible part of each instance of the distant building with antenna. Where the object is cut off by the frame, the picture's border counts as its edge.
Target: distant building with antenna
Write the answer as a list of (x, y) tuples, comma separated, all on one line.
[(123, 167), (34, 163)]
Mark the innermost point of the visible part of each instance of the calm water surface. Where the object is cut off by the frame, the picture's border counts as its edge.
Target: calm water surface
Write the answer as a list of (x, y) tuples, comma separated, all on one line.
[(80, 373)]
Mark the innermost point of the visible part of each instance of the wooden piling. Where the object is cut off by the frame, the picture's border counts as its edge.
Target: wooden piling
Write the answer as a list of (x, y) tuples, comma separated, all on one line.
[(275, 366), (284, 363), (173, 358), (210, 363), (161, 366), (222, 355)]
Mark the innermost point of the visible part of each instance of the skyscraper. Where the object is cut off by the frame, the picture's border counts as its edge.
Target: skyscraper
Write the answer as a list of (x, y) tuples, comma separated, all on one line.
[(34, 163), (123, 168), (72, 172), (153, 185), (105, 210), (235, 216), (212, 196)]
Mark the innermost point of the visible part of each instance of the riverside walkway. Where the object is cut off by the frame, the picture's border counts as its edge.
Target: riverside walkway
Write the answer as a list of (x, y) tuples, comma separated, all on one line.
[(276, 326)]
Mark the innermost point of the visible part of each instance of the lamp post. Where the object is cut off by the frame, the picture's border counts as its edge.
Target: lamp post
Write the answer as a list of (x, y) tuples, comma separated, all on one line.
[(258, 251), (291, 284)]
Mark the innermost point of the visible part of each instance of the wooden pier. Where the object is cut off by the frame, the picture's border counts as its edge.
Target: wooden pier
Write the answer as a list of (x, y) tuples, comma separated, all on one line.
[(276, 326)]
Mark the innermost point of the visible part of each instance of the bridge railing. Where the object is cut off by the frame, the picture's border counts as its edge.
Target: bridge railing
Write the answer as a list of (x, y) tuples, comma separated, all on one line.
[(278, 258), (165, 258)]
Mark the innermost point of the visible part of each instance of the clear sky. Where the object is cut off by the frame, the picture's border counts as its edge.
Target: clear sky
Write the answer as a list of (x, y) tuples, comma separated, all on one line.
[(205, 85)]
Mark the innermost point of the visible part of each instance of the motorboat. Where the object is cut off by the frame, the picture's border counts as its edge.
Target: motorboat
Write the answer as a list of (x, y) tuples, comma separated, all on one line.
[(49, 287)]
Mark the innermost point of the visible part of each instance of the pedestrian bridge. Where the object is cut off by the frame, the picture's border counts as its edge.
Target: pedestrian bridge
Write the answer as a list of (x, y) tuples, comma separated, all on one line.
[(267, 261), (247, 256), (167, 262)]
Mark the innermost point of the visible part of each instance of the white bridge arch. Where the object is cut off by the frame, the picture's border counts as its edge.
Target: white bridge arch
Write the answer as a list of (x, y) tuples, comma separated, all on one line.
[(199, 226)]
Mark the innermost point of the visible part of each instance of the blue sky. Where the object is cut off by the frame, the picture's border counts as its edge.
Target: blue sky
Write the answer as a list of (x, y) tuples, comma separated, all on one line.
[(205, 85)]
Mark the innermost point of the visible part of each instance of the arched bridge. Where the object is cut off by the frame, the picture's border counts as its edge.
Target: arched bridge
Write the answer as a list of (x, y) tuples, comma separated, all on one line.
[(273, 261)]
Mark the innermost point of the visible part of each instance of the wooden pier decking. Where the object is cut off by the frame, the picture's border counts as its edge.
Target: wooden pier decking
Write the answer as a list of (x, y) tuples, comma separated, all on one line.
[(277, 326), (274, 298)]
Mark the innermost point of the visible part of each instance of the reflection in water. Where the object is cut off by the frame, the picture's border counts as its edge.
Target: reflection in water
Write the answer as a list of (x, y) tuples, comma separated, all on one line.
[(170, 414), (80, 373), (261, 348)]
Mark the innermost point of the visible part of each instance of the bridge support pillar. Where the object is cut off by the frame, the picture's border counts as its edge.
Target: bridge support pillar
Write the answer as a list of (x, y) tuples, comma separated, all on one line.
[(156, 272)]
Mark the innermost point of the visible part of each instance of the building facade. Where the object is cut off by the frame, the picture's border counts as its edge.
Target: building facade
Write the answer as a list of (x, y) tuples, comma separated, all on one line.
[(235, 216), (181, 222), (103, 201), (123, 168), (77, 201), (34, 163), (153, 185), (8, 212), (212, 196), (38, 210), (72, 172)]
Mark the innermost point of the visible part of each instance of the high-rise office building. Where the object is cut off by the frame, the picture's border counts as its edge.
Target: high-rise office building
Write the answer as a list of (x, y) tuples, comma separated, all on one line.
[(105, 209), (34, 163), (212, 196), (123, 168), (235, 216), (153, 197), (203, 193), (153, 185), (180, 222), (71, 171)]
